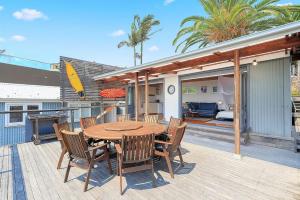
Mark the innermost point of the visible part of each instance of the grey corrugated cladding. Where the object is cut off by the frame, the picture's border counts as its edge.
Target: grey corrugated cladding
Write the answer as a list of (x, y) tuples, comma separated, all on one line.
[(270, 98)]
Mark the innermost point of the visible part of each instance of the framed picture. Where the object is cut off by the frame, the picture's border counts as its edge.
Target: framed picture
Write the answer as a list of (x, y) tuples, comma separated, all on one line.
[(215, 89), (189, 90), (203, 89)]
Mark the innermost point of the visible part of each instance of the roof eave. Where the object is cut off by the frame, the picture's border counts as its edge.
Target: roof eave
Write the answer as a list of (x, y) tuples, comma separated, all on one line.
[(237, 43)]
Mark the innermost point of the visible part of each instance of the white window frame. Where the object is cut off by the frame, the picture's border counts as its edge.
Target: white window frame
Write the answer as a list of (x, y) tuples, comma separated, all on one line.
[(24, 107), (78, 104)]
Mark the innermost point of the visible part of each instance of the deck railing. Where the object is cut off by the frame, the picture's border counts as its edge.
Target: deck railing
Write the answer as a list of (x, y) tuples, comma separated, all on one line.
[(67, 112)]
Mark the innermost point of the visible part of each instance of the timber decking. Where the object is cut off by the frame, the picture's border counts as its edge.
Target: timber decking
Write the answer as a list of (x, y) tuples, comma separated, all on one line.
[(29, 172)]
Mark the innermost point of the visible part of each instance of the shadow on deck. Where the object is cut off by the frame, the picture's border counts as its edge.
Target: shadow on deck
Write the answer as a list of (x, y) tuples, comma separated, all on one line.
[(29, 172)]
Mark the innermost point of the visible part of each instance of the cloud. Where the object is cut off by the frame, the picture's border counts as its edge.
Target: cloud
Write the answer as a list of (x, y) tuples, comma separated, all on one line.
[(118, 33), (1, 8), (18, 38), (167, 2), (2, 39), (285, 4), (153, 48), (29, 14)]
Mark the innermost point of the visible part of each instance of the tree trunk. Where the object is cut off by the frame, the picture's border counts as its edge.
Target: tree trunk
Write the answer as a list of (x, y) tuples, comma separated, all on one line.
[(134, 55), (142, 49)]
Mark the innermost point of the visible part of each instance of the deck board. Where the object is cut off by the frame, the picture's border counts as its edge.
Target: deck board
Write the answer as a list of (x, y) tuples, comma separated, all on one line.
[(29, 172)]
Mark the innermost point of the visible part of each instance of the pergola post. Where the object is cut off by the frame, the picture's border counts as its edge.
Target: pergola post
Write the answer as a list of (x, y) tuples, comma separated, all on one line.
[(237, 102), (137, 97), (126, 99), (146, 93)]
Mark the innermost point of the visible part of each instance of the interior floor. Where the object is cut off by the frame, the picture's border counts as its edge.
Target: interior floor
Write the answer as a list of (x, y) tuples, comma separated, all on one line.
[(209, 122)]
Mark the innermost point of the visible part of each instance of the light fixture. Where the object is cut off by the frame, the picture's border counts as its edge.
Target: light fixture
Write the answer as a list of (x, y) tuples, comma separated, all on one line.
[(254, 62)]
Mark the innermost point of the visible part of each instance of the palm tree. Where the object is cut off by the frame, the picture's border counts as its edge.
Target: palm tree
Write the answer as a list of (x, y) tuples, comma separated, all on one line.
[(227, 19), (145, 30), (132, 41), (293, 14)]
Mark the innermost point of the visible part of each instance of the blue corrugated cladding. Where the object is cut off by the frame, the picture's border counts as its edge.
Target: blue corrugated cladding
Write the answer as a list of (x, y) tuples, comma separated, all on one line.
[(14, 135)]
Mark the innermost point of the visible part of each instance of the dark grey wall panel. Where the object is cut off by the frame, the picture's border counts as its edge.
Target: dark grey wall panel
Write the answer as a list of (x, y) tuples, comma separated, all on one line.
[(86, 71)]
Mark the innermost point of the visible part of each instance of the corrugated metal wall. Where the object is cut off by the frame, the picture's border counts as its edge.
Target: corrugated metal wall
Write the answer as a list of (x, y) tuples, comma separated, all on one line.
[(269, 98), (10, 135), (14, 135)]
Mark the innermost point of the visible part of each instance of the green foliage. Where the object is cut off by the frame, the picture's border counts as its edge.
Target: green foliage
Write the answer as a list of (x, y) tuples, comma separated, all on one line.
[(228, 19), (141, 31)]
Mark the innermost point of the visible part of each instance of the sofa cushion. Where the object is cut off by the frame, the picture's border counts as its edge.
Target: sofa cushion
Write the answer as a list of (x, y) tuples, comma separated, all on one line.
[(208, 106)]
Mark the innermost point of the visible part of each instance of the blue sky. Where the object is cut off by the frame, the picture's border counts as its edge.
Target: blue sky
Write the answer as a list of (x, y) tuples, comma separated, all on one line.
[(88, 29)]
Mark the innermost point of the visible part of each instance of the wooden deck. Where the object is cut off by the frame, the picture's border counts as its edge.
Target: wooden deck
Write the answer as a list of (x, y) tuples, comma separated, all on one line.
[(29, 172)]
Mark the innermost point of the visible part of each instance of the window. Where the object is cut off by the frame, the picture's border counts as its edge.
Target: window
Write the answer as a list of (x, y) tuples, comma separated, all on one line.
[(18, 118), (82, 112), (15, 117), (33, 107)]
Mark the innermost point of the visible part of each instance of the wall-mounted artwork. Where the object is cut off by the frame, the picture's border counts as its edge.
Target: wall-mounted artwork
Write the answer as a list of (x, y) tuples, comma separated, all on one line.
[(203, 89), (189, 90), (215, 89)]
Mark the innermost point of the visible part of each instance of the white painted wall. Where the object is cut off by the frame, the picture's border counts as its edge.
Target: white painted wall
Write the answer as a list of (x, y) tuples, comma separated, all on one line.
[(171, 100), (208, 97), (22, 91)]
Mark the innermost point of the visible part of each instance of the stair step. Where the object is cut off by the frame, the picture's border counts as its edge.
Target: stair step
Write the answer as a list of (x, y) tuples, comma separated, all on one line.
[(227, 137)]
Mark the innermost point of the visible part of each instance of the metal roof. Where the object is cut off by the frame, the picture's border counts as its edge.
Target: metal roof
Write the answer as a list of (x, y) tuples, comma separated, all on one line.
[(29, 76), (236, 43)]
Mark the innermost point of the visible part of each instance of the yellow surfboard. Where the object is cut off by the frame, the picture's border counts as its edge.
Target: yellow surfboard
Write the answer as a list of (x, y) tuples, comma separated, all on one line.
[(74, 79)]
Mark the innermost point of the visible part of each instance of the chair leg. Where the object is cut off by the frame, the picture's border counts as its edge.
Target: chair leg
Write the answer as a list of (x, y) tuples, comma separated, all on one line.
[(117, 168), (68, 171), (62, 154), (120, 174), (88, 176), (169, 166), (109, 164), (153, 177), (180, 157)]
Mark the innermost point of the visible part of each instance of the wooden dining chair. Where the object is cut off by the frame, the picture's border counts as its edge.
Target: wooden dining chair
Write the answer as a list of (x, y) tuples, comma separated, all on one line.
[(58, 128), (151, 118), (135, 154), (87, 122), (123, 118), (173, 124), (79, 150), (167, 149)]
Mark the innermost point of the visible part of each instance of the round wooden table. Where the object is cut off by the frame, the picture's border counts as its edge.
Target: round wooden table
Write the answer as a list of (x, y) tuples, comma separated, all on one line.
[(115, 130)]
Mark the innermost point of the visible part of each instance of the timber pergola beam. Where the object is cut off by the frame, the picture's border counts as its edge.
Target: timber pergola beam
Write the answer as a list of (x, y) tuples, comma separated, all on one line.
[(218, 56)]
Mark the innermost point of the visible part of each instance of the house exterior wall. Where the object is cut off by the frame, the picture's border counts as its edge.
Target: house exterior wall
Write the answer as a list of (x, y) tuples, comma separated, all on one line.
[(16, 134), (86, 71), (172, 101), (269, 95), (24, 91)]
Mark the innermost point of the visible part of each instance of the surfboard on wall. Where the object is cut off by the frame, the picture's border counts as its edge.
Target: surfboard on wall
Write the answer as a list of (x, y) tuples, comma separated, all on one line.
[(74, 79)]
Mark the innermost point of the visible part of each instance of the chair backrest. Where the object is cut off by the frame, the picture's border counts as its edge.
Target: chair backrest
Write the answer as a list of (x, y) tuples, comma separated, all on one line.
[(177, 136), (87, 122), (123, 118), (151, 118), (59, 127), (76, 145), (173, 124), (137, 148)]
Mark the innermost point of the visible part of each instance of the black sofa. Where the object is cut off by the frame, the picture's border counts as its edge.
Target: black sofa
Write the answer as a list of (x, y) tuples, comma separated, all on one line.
[(203, 109)]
